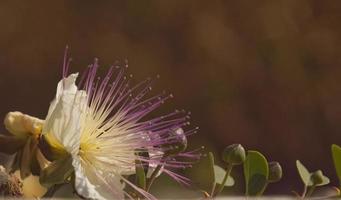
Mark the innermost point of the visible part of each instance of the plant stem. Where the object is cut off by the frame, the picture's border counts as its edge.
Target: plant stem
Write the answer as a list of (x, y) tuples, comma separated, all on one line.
[(304, 192), (310, 191), (222, 185), (153, 177), (213, 189)]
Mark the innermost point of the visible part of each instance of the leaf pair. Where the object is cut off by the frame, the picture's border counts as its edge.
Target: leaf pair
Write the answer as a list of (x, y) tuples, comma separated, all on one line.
[(212, 176), (311, 179), (216, 175)]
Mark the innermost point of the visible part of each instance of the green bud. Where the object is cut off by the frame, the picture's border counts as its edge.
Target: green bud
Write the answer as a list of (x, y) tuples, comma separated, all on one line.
[(234, 154), (275, 172), (317, 177), (177, 142)]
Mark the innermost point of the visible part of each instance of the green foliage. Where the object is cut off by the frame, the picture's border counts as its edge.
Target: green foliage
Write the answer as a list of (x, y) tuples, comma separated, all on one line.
[(221, 177), (311, 179), (210, 171), (304, 173), (336, 153), (203, 173), (219, 174), (214, 176), (256, 172), (318, 179)]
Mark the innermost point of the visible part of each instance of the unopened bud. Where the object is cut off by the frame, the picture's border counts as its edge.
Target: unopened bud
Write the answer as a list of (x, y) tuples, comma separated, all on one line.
[(177, 142), (22, 125), (234, 154), (275, 172)]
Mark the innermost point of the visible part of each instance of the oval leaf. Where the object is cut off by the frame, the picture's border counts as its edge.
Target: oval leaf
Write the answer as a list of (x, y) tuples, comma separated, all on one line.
[(219, 174), (211, 176), (256, 172), (203, 173), (325, 181), (336, 153), (304, 173)]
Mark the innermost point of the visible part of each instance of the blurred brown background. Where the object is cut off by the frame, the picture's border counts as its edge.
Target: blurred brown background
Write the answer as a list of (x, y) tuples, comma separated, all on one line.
[(262, 73)]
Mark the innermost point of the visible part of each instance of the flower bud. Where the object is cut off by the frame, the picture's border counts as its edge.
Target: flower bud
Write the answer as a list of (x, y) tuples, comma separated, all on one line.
[(22, 125), (317, 177), (275, 172), (234, 154), (177, 142)]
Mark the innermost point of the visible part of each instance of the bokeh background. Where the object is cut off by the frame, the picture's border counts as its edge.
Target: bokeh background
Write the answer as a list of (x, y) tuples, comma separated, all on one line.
[(264, 73)]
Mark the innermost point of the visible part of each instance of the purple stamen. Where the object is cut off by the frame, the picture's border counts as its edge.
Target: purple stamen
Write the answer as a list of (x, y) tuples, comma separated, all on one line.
[(119, 111)]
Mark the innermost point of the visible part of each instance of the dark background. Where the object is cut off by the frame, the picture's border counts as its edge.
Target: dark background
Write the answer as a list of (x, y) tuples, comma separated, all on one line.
[(262, 73)]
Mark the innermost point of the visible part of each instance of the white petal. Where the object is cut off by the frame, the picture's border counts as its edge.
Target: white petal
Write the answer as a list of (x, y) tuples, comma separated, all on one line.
[(63, 122), (93, 184)]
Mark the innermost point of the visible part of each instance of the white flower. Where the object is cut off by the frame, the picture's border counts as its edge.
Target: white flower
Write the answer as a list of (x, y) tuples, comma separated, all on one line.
[(66, 121), (100, 124)]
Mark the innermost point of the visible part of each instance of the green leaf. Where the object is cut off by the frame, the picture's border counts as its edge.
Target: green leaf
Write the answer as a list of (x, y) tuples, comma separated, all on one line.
[(219, 174), (256, 172), (325, 181), (202, 173), (304, 173), (140, 175), (57, 172), (317, 178), (211, 175), (336, 153)]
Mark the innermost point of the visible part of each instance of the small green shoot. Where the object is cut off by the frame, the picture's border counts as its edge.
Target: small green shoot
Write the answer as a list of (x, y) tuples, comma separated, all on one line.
[(310, 180)]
